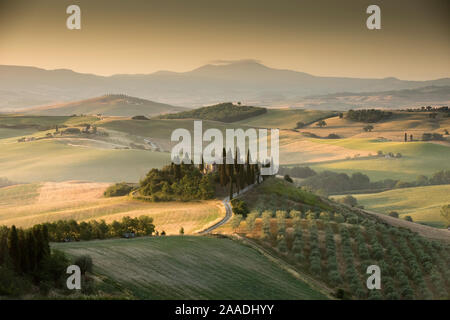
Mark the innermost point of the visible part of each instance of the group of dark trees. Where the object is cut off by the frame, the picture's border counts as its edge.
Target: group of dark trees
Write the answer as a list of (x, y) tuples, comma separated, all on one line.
[(432, 136), (297, 172), (24, 249), (315, 136), (26, 259), (367, 115), (329, 182), (443, 109), (71, 230), (237, 175), (139, 117), (186, 181), (224, 112), (182, 182)]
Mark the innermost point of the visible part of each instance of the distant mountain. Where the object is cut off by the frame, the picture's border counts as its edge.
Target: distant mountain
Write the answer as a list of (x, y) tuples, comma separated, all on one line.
[(108, 105), (393, 99), (247, 81)]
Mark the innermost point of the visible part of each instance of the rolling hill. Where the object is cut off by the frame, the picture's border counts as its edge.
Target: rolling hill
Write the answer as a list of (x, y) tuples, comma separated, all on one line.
[(247, 81), (285, 118), (186, 267), (107, 105), (395, 99), (25, 205), (423, 204), (53, 160)]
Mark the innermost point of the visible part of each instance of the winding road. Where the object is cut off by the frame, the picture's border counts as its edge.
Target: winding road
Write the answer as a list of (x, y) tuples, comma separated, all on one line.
[(228, 214)]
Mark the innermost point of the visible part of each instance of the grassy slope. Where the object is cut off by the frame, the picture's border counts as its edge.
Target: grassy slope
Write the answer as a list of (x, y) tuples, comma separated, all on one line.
[(43, 121), (162, 129), (30, 204), (423, 204), (109, 106), (47, 160), (417, 158), (190, 268), (392, 128), (284, 119)]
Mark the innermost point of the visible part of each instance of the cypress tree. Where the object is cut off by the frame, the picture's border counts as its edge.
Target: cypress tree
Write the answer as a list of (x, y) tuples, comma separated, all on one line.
[(23, 251), (248, 174), (231, 185), (31, 244), (202, 165), (40, 244), (4, 255), (13, 247), (46, 249)]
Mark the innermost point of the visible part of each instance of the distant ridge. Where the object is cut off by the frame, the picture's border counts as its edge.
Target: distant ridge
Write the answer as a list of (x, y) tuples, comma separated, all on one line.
[(108, 105), (392, 99), (248, 81)]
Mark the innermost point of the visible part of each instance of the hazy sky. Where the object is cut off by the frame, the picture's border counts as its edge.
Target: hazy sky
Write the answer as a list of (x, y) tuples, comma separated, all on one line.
[(321, 37)]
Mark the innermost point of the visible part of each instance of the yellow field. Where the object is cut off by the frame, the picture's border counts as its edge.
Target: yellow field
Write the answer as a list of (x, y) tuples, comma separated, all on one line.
[(27, 205), (295, 148), (392, 128)]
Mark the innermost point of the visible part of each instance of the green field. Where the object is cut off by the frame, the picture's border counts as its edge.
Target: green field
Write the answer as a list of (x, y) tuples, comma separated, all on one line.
[(418, 158), (189, 267), (285, 118), (162, 129), (423, 204), (21, 121), (50, 160)]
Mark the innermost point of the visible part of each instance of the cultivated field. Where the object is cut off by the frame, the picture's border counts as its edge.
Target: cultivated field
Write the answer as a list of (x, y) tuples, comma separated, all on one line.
[(423, 204), (285, 118), (392, 128), (53, 160), (186, 267), (418, 158), (30, 204)]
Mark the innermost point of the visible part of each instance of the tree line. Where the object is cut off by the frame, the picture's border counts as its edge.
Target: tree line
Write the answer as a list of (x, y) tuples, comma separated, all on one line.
[(182, 181), (238, 175), (367, 115), (186, 181), (71, 230), (330, 182), (26, 260)]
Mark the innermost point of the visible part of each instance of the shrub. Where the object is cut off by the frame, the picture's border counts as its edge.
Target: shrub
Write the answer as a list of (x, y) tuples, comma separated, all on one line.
[(299, 125), (140, 118), (349, 200), (118, 190), (250, 221), (71, 131), (408, 218), (240, 207), (85, 263), (393, 214)]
